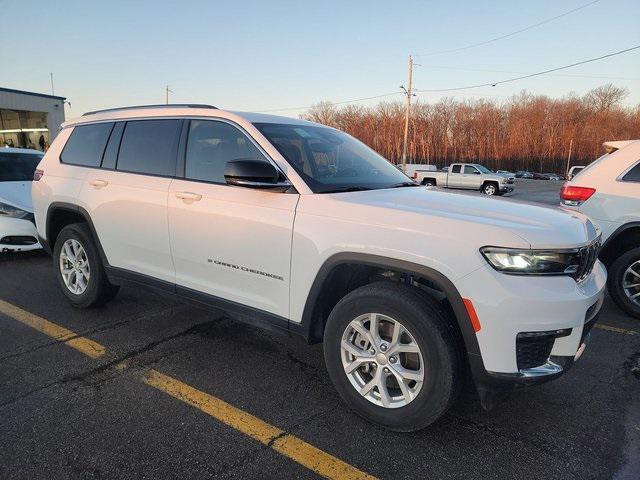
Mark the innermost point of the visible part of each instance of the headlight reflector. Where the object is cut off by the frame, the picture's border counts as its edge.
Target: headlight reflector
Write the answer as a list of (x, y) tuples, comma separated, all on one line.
[(13, 212), (533, 262)]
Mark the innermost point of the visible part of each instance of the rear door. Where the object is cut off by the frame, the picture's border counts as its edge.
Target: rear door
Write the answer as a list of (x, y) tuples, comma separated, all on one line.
[(455, 177), (229, 242), (126, 195)]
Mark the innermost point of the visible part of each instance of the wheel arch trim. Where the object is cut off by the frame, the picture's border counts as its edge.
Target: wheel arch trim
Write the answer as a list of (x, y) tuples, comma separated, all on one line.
[(434, 276)]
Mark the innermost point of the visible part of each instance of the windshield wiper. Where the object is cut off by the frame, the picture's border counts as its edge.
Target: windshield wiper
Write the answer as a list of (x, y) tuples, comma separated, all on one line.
[(346, 189), (404, 184)]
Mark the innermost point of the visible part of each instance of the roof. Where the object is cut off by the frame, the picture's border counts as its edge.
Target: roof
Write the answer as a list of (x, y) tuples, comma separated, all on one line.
[(150, 111), (33, 94), (19, 150), (611, 147)]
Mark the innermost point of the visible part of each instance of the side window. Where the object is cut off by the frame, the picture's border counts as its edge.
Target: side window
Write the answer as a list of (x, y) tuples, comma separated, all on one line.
[(149, 146), (455, 169), (468, 169), (111, 152), (211, 145), (86, 145), (632, 175)]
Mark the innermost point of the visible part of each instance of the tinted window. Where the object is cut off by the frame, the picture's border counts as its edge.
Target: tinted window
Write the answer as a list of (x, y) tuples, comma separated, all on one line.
[(211, 145), (633, 175), (111, 152), (149, 146), (468, 169), (456, 169), (18, 167), (86, 145)]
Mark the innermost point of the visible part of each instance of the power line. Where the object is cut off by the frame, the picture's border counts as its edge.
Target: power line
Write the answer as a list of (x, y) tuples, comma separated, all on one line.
[(522, 77), (490, 84), (502, 37), (600, 77)]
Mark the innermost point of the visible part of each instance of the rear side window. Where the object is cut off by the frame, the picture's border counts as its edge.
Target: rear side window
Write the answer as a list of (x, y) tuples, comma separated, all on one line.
[(455, 169), (86, 145), (632, 175), (149, 147), (211, 145)]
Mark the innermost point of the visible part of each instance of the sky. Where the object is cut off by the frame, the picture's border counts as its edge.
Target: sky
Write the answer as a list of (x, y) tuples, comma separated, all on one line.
[(282, 54)]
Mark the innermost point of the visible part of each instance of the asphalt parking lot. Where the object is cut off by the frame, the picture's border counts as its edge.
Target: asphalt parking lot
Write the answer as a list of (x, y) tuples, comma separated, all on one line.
[(147, 387)]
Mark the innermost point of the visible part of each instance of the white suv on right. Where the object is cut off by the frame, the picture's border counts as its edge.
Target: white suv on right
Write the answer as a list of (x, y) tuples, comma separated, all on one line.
[(608, 191)]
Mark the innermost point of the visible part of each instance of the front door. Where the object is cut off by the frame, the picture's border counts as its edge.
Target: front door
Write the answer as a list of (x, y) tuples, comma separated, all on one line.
[(229, 242)]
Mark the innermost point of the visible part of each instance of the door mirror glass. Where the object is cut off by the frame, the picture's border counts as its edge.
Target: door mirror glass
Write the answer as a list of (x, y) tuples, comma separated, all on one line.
[(254, 174)]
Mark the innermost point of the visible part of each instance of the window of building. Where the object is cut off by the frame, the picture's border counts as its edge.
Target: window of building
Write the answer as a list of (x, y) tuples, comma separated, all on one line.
[(150, 147)]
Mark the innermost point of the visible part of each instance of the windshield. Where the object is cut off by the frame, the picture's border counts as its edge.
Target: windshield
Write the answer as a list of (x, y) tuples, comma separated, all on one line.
[(18, 167), (332, 161), (483, 169)]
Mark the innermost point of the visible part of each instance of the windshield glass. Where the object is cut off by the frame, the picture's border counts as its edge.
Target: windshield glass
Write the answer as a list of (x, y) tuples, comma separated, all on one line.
[(483, 169), (18, 167), (329, 160)]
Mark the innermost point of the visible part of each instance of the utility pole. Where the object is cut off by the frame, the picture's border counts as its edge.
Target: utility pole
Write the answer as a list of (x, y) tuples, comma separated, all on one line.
[(409, 93), (167, 92), (51, 78), (569, 157)]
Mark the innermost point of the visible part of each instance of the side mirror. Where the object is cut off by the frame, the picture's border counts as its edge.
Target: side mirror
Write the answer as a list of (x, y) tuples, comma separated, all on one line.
[(254, 174)]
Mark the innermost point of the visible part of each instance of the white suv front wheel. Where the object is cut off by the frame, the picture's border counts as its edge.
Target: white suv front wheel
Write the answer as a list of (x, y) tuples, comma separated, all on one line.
[(394, 355)]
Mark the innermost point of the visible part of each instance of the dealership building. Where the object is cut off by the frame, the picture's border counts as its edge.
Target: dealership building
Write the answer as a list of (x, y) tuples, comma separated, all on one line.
[(28, 119)]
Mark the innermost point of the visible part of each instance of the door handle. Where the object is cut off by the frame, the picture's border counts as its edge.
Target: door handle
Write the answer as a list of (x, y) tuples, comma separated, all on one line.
[(189, 196), (98, 183)]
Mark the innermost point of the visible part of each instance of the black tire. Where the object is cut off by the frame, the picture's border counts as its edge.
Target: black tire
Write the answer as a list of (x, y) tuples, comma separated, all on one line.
[(490, 188), (428, 182), (616, 279), (433, 331), (98, 291)]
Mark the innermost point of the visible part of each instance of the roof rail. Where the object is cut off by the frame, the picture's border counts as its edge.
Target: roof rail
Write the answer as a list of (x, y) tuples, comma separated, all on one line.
[(172, 105)]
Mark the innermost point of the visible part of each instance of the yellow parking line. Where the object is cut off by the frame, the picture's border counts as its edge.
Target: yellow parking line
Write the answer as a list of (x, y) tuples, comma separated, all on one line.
[(616, 329), (88, 347), (296, 449)]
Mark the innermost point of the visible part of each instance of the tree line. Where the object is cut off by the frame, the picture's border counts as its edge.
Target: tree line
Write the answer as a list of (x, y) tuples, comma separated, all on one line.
[(526, 132)]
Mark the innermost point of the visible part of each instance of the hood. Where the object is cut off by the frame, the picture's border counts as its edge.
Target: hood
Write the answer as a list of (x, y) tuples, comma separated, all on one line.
[(500, 219), (17, 194)]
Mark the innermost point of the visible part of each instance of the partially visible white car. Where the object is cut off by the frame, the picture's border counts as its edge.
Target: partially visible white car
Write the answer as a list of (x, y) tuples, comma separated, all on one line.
[(608, 191), (17, 226)]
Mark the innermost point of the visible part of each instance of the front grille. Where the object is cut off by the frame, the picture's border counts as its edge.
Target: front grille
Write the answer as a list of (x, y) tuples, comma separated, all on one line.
[(18, 240), (534, 348), (587, 257)]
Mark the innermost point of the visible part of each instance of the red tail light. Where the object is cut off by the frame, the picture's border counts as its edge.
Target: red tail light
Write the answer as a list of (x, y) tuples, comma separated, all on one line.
[(415, 175), (37, 175), (575, 195)]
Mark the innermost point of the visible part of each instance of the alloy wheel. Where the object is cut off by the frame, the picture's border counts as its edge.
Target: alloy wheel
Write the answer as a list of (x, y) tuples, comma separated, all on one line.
[(631, 282), (382, 360), (74, 266)]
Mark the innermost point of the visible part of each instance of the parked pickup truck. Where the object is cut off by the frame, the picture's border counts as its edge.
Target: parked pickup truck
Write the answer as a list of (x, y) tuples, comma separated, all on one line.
[(471, 176)]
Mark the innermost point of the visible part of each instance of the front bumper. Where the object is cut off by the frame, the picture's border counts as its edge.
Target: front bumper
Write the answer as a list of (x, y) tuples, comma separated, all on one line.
[(506, 187), (18, 235), (509, 305)]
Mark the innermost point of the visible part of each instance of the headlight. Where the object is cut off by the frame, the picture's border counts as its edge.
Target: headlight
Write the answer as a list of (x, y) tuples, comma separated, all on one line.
[(13, 212), (533, 262), (504, 180)]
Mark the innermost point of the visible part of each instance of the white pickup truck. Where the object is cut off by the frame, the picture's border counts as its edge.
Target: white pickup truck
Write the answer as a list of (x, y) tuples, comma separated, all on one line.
[(471, 176)]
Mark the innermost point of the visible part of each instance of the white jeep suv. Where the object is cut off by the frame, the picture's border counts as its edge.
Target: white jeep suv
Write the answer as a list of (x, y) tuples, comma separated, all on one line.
[(296, 226), (608, 191)]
